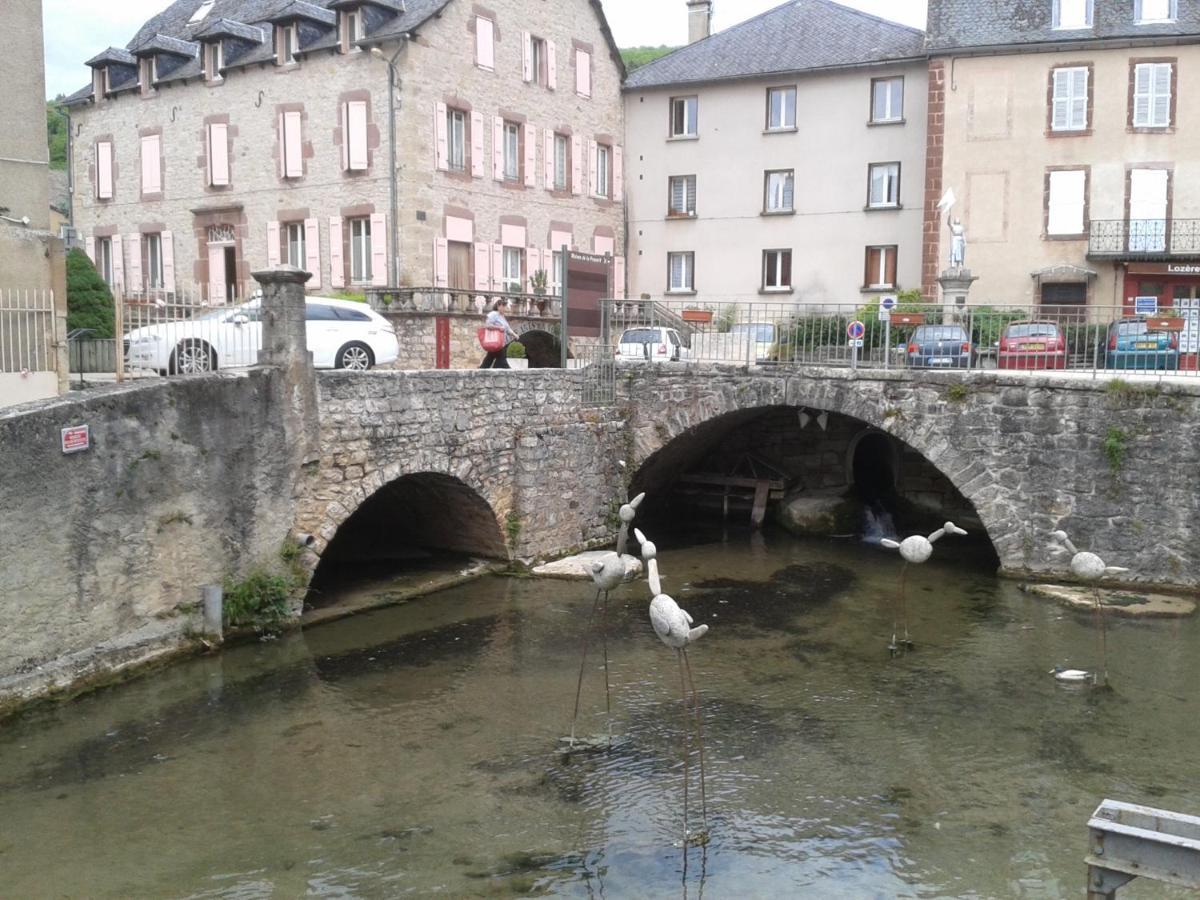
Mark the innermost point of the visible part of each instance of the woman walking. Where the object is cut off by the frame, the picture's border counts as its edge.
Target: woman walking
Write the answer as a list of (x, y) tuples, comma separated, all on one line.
[(498, 359)]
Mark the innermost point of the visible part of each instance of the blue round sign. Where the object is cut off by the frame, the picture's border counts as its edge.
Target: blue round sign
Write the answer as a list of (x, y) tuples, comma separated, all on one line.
[(888, 302), (855, 330)]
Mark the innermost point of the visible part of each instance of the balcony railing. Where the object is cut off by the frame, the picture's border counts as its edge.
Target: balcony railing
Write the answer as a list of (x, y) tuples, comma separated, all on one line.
[(1143, 238)]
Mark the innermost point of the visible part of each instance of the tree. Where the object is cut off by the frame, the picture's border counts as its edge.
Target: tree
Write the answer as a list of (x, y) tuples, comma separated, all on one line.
[(89, 301), (56, 132)]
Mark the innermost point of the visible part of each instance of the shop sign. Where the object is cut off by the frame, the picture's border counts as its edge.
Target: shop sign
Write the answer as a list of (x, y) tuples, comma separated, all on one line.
[(1145, 306)]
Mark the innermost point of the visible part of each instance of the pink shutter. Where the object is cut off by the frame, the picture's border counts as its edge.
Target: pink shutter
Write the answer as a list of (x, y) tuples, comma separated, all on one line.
[(345, 116), (337, 260), (530, 155), (576, 165), (441, 140), (90, 248), (104, 171), (356, 114), (151, 169), (441, 263), (118, 263), (292, 146), (168, 261), (551, 66), (273, 245), (618, 173), (379, 250), (483, 267), (527, 55), (497, 267), (548, 159), (218, 155), (583, 73), (312, 251), (478, 164), (619, 277), (498, 148), (485, 46), (133, 246), (216, 274)]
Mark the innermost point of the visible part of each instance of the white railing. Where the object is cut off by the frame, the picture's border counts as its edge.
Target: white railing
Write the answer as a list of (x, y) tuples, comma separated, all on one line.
[(27, 331)]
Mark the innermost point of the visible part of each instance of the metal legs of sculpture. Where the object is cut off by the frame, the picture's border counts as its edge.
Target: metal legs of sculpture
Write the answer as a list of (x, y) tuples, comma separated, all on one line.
[(1089, 568), (674, 628), (914, 550)]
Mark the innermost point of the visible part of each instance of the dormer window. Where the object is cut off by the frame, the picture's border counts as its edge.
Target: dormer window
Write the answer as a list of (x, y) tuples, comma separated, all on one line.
[(201, 12), (354, 26), (1072, 15), (287, 44), (213, 60), (1153, 12)]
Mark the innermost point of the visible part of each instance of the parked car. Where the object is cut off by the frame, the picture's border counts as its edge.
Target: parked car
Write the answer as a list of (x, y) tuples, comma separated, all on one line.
[(341, 334), (1032, 345), (655, 344), (940, 346), (1132, 345)]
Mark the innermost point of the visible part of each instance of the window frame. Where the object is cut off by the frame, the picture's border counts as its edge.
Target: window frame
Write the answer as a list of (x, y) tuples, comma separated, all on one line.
[(508, 281), (360, 253), (464, 160), (1139, 13), (1082, 234), (562, 152), (151, 251), (875, 84), (1089, 15), (604, 161), (783, 89), (781, 211), (539, 60), (104, 261), (689, 194), (1173, 97), (1052, 99), (694, 120), (883, 285), (289, 243), (289, 38), (780, 253), (689, 270), (887, 204), (511, 134)]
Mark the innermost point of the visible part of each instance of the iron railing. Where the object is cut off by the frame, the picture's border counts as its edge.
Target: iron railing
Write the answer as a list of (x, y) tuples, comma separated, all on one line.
[(453, 300), (1150, 238), (27, 341)]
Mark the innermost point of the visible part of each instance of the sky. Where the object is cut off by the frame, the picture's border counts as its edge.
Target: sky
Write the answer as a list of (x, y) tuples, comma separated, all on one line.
[(82, 28)]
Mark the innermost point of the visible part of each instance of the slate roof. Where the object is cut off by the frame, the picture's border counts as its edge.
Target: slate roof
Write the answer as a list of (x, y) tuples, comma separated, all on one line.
[(219, 28), (798, 36), (977, 24), (113, 55), (161, 43), (301, 9)]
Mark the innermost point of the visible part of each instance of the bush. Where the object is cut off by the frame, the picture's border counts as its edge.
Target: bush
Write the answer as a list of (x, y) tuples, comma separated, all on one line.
[(988, 323), (89, 301), (351, 296), (516, 350), (260, 600)]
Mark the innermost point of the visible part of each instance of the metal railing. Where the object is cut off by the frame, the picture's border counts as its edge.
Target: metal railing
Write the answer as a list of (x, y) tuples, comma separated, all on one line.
[(453, 300), (910, 338), (1132, 238), (27, 331)]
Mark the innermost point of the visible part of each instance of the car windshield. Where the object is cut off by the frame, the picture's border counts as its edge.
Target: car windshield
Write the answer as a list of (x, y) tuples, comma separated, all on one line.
[(640, 336), (763, 333), (1137, 326), (940, 333), (1033, 329)]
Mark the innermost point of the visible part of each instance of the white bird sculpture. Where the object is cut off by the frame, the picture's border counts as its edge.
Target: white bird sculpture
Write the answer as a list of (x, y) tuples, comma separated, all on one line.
[(914, 550), (674, 627), (1063, 674), (1090, 568), (626, 514)]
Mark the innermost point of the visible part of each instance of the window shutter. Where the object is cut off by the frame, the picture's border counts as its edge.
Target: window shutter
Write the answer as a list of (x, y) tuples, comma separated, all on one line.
[(530, 137), (478, 165), (168, 261), (337, 257), (151, 169), (548, 159), (218, 155), (872, 268), (104, 171), (216, 277), (441, 263), (498, 148), (485, 46), (379, 250), (619, 277), (345, 118), (483, 267), (273, 247), (356, 114), (90, 248), (1062, 99), (133, 246), (441, 140), (583, 73), (527, 55), (551, 66), (293, 153), (593, 175), (1141, 95), (1162, 94), (618, 173), (576, 165), (312, 251), (1079, 98), (118, 263), (497, 267)]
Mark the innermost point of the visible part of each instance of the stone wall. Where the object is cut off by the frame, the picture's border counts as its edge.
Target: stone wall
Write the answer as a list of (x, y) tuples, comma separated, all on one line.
[(417, 332)]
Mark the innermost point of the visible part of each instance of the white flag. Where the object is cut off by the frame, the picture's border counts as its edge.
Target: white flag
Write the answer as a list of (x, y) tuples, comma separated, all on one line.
[(948, 199)]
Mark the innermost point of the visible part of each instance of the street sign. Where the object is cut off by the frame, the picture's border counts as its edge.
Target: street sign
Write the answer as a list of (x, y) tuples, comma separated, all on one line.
[(855, 330), (856, 343), (76, 439), (888, 302), (1145, 306)]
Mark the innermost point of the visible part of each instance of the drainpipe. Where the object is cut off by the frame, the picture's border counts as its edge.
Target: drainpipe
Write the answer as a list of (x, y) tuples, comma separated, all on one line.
[(393, 89), (70, 170)]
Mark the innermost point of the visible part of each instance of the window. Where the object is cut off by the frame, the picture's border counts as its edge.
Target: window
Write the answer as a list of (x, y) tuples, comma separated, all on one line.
[(291, 150), (201, 12), (583, 73), (151, 164), (683, 116), (485, 43), (512, 151), (1152, 95), (781, 109), (456, 131), (538, 60), (294, 244), (556, 274), (355, 157), (562, 163), (1066, 198), (603, 155), (887, 100), (287, 44), (104, 170), (1148, 12), (320, 312), (354, 32), (1070, 99), (777, 270), (1149, 200), (780, 190), (104, 260), (511, 277), (360, 251), (681, 195), (1070, 14), (154, 261), (218, 155), (881, 268), (214, 60), (883, 190), (681, 272)]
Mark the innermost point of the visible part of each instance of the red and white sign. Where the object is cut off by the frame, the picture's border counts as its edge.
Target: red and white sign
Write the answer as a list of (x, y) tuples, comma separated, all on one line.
[(76, 439)]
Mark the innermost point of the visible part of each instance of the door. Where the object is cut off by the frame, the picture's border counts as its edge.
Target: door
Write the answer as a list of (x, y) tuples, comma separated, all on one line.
[(216, 275), (460, 266), (1148, 210), (232, 293)]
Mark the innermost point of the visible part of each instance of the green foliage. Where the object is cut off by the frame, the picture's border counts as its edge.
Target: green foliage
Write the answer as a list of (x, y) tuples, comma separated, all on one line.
[(1116, 446), (260, 600), (512, 527), (636, 57), (538, 281), (958, 392), (726, 319), (89, 301), (516, 350), (352, 296), (56, 133), (988, 323)]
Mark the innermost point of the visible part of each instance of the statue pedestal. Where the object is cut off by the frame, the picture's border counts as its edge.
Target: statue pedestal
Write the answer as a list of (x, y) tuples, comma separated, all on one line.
[(956, 285)]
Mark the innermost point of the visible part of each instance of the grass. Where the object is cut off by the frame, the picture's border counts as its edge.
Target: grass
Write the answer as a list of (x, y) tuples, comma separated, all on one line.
[(957, 393), (261, 600), (1116, 447)]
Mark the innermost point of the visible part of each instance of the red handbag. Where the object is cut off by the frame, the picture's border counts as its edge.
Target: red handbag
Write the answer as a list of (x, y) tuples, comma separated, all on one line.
[(491, 339)]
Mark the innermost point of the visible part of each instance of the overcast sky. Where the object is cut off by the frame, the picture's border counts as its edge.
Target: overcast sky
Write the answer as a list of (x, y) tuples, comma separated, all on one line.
[(77, 30)]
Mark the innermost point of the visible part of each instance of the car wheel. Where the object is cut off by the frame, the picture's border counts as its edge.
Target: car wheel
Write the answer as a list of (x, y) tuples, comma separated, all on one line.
[(354, 356), (193, 358)]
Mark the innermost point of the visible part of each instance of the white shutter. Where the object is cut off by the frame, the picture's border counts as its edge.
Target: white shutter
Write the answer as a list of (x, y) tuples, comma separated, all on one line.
[(168, 261), (356, 115), (118, 263), (293, 157), (151, 164), (478, 163), (337, 257), (379, 250), (583, 73), (1066, 202), (530, 155), (576, 165), (216, 274), (1142, 83), (1062, 100), (527, 55), (497, 267), (551, 66), (483, 266), (498, 148), (485, 46), (133, 278), (104, 171), (441, 139), (312, 251), (679, 195), (441, 263), (273, 247), (218, 155), (1162, 95)]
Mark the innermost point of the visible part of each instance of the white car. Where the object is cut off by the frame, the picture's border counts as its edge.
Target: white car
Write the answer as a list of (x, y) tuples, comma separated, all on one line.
[(655, 344), (341, 334)]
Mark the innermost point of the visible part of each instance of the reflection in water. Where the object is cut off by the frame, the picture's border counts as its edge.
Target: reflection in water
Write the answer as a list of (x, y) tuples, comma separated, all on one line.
[(415, 749)]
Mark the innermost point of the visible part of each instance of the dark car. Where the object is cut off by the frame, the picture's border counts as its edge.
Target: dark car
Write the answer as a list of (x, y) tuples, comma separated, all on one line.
[(1032, 345), (1132, 345), (940, 346)]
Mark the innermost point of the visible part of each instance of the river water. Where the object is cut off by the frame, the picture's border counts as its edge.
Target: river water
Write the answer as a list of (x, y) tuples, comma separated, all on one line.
[(415, 750)]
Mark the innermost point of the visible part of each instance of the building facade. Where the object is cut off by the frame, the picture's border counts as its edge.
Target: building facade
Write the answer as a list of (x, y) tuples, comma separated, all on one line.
[(1063, 129), (234, 135), (779, 160)]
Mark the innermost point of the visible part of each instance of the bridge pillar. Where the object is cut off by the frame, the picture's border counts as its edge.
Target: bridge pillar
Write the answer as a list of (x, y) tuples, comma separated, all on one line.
[(285, 347)]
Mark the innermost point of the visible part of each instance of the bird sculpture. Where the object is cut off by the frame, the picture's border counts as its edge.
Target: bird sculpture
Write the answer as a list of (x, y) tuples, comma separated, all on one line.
[(626, 514), (1061, 673), (913, 550), (1089, 568), (674, 627)]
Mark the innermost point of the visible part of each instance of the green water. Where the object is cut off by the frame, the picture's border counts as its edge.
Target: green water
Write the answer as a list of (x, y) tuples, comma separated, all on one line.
[(415, 750)]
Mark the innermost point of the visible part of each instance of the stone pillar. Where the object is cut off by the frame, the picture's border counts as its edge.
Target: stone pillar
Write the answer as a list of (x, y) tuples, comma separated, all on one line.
[(699, 20), (285, 347), (956, 285)]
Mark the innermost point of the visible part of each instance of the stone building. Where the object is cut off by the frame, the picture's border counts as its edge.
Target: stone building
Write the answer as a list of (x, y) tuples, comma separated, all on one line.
[(230, 135), (1063, 128), (779, 160)]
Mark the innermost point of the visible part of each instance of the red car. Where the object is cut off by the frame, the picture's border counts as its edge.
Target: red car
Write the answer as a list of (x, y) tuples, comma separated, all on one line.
[(1032, 345)]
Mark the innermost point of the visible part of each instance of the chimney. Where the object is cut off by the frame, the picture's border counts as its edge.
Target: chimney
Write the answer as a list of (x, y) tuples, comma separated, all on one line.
[(699, 20)]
